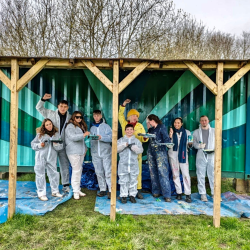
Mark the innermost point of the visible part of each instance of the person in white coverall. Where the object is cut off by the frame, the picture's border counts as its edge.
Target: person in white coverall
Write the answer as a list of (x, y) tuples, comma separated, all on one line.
[(204, 138), (59, 117), (178, 158), (75, 132), (101, 152), (46, 158), (128, 148)]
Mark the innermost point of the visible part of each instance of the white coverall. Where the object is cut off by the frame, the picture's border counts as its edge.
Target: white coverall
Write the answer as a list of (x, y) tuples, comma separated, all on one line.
[(176, 167), (204, 163), (54, 117), (46, 157), (128, 168), (101, 155)]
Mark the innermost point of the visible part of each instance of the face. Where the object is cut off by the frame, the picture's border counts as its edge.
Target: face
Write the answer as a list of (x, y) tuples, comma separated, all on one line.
[(129, 131), (204, 121), (152, 123), (178, 123), (97, 117), (78, 118), (133, 118), (48, 125), (63, 108)]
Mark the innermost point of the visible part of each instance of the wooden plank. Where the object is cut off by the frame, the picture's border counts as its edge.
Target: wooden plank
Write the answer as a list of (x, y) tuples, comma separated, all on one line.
[(114, 139), (31, 73), (5, 79), (132, 75), (202, 77), (91, 66), (218, 144), (13, 138), (236, 77)]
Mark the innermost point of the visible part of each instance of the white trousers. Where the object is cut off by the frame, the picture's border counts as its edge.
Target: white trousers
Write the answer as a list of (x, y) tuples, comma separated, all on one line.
[(128, 185), (76, 164)]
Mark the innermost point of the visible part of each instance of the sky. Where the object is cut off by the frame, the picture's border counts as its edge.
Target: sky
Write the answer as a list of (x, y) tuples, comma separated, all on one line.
[(230, 16)]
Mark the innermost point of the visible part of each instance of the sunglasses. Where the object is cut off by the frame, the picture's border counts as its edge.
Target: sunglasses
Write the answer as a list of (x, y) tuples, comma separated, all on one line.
[(78, 117)]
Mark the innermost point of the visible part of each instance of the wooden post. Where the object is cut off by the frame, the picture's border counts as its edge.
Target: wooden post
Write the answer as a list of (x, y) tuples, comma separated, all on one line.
[(218, 144), (114, 139), (13, 138)]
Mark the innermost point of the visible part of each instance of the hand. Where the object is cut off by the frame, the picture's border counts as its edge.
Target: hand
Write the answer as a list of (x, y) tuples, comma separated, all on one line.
[(126, 102), (202, 145), (99, 137), (46, 96), (126, 144), (86, 134), (42, 144), (171, 132)]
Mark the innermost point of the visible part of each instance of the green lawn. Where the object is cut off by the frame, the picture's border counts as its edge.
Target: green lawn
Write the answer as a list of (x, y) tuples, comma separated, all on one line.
[(75, 225)]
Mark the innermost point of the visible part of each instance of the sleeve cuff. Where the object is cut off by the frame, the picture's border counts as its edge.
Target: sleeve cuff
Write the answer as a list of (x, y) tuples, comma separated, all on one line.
[(43, 100)]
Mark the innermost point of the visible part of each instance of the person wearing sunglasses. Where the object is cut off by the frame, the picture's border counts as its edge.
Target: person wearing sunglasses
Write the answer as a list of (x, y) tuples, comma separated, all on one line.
[(75, 132)]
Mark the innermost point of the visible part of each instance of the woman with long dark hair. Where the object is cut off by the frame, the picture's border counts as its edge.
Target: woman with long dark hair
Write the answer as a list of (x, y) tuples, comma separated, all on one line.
[(158, 158), (178, 158), (76, 149), (46, 158)]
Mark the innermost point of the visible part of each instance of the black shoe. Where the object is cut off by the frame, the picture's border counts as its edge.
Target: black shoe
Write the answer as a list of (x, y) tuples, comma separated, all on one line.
[(132, 199), (102, 193), (124, 200), (179, 197), (139, 195), (167, 199), (109, 195), (188, 198), (156, 195)]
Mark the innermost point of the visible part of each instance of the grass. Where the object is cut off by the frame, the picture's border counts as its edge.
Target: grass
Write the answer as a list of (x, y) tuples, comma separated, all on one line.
[(75, 225)]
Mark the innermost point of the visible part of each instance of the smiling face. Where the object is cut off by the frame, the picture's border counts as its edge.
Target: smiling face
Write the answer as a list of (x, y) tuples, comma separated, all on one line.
[(133, 118), (152, 123), (48, 125), (63, 108), (97, 117), (178, 124), (129, 131), (204, 121), (78, 118)]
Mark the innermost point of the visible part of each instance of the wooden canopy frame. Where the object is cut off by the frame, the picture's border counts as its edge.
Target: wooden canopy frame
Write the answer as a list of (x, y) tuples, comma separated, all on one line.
[(138, 65)]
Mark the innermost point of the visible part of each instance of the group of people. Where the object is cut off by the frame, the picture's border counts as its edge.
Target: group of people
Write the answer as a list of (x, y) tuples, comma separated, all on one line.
[(62, 136)]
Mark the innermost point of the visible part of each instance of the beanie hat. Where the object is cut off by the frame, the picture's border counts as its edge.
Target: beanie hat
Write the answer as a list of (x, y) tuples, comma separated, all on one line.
[(133, 112)]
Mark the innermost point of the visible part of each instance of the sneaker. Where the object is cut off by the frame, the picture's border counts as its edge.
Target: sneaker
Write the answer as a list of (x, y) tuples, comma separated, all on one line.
[(102, 193), (109, 195), (167, 199), (43, 198), (82, 194), (132, 199), (124, 200), (66, 189), (204, 197), (57, 194), (188, 199), (179, 197), (139, 195), (156, 195), (76, 196)]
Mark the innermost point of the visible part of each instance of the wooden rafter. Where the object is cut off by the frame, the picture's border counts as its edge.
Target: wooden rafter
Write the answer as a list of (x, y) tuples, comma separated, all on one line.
[(202, 77), (91, 66), (5, 79), (31, 73), (132, 75), (236, 77)]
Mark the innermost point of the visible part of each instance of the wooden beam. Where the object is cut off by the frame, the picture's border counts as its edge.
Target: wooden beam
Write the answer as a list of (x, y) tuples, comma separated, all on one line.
[(218, 144), (91, 66), (236, 77), (5, 79), (114, 139), (13, 138), (132, 75), (202, 77), (31, 73)]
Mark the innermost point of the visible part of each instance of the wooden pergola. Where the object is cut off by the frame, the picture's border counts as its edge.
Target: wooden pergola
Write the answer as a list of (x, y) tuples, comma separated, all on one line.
[(137, 66)]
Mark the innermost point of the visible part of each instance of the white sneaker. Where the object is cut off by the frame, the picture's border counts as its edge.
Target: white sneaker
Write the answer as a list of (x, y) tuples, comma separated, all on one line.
[(204, 197), (76, 196), (66, 189), (57, 194), (43, 198), (82, 194)]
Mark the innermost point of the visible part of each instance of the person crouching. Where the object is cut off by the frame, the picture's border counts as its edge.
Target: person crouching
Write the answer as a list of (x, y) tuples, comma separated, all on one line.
[(46, 158), (128, 148)]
